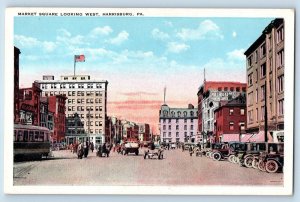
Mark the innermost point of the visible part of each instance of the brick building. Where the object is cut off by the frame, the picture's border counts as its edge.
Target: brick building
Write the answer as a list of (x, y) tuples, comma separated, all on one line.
[(17, 53), (265, 75), (29, 100), (210, 94), (144, 132), (57, 106), (230, 120)]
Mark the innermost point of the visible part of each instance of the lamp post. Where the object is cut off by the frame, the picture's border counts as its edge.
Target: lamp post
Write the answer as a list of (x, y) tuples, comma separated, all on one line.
[(266, 113)]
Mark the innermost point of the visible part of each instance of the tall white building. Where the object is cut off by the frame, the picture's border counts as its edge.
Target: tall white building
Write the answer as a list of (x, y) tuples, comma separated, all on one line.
[(85, 97)]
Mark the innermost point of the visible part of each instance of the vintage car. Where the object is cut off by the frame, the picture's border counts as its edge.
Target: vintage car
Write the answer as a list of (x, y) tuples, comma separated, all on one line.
[(272, 160), (235, 148), (209, 151), (130, 147), (154, 150)]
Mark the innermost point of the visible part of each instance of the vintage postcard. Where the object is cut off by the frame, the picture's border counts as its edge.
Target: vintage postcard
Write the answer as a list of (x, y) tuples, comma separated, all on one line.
[(149, 101)]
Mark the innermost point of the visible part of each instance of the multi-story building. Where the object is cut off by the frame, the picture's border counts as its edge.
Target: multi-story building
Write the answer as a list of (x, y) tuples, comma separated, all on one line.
[(210, 94), (57, 106), (230, 120), (17, 53), (144, 132), (29, 101), (86, 97), (178, 124), (265, 79)]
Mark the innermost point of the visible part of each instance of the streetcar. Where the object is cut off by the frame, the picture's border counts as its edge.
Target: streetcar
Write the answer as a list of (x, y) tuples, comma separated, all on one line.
[(31, 142)]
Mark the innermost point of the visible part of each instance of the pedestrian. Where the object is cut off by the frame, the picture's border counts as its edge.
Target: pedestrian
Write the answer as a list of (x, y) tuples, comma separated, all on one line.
[(191, 150), (80, 150), (92, 146), (86, 149)]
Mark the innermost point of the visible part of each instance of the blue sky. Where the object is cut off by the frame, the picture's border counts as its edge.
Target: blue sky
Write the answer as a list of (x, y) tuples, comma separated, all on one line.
[(138, 54)]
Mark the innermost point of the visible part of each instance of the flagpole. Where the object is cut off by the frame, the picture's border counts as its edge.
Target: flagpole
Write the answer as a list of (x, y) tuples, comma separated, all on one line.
[(74, 64)]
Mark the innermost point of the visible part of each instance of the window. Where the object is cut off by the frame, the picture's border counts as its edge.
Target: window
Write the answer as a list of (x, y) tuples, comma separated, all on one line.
[(262, 113), (170, 127), (263, 50), (177, 134), (280, 58), (164, 127), (164, 120), (164, 134), (263, 69), (169, 134), (242, 125), (192, 127), (250, 116), (219, 89), (185, 120), (242, 111), (271, 64), (250, 60), (256, 56), (226, 89), (262, 92), (238, 89), (250, 98), (169, 120), (281, 107), (177, 127), (256, 114), (250, 79), (178, 114), (192, 134), (256, 95), (280, 34), (185, 134), (280, 81), (231, 125), (230, 111), (192, 120), (185, 127)]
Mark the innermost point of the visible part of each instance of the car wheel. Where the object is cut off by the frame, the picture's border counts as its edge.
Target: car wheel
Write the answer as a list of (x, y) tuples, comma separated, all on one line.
[(217, 156), (255, 163), (261, 165), (272, 166), (248, 161), (207, 154), (231, 158)]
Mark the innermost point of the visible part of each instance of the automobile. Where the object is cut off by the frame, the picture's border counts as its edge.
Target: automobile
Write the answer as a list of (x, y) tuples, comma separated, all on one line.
[(154, 150), (58, 146), (272, 160), (130, 147), (173, 145)]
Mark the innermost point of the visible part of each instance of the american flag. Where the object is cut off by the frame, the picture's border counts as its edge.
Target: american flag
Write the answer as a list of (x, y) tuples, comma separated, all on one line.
[(79, 58)]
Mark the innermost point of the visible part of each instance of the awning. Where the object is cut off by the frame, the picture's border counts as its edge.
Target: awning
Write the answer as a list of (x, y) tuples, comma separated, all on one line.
[(259, 137), (230, 137)]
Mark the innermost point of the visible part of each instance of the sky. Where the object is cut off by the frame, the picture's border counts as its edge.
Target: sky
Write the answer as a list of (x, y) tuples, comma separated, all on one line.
[(138, 56)]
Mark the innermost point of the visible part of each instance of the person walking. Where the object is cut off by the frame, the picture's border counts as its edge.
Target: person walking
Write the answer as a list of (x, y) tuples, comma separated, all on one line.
[(191, 150), (92, 146)]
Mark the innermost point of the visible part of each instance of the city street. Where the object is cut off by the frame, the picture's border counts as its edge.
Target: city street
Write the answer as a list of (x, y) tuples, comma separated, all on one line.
[(177, 168)]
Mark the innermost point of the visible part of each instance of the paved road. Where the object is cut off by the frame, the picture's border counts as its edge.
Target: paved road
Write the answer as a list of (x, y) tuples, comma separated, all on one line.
[(177, 168)]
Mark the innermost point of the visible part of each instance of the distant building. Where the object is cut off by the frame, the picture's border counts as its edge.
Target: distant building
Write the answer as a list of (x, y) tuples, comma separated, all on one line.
[(58, 107), (178, 124), (265, 75), (144, 132), (210, 94), (230, 120), (85, 97)]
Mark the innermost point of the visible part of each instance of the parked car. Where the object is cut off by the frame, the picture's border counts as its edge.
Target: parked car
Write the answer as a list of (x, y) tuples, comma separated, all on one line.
[(272, 160)]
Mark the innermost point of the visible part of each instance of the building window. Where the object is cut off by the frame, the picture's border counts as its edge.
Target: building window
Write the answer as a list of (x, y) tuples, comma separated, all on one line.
[(185, 120), (250, 116), (170, 127), (178, 114), (226, 89), (280, 58), (185, 134), (280, 34), (262, 113), (164, 127), (177, 127), (242, 125), (169, 134), (219, 89), (185, 127), (177, 134), (242, 111), (263, 50), (256, 56), (231, 125), (230, 111), (169, 120), (281, 107), (237, 89), (192, 127), (280, 82), (192, 120), (256, 95), (262, 92), (164, 120), (263, 69), (256, 114), (250, 98), (250, 60), (164, 134), (192, 134), (177, 120)]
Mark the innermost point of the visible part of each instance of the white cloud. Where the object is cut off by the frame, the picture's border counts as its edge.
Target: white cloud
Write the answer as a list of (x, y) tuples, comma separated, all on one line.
[(168, 23), (27, 42), (106, 30), (49, 46), (157, 34), (234, 34), (176, 47), (122, 36), (237, 54), (206, 29)]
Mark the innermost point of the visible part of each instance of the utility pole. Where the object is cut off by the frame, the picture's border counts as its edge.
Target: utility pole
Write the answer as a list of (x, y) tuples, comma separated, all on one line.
[(266, 113)]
